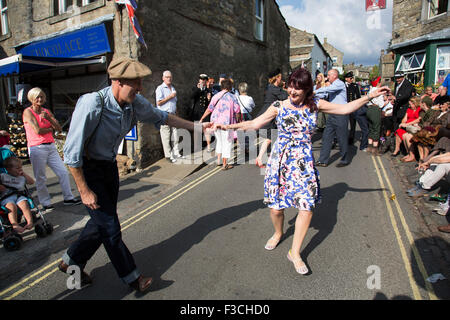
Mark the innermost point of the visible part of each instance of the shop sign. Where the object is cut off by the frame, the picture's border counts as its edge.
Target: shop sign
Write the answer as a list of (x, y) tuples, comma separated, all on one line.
[(132, 135), (84, 43)]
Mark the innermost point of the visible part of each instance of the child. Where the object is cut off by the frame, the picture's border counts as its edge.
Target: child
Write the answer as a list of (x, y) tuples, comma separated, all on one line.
[(16, 179)]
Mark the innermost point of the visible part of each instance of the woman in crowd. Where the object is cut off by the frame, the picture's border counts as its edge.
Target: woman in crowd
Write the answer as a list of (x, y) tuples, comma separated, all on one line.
[(274, 92), (245, 101), (411, 118), (39, 124), (224, 109), (319, 83), (292, 179)]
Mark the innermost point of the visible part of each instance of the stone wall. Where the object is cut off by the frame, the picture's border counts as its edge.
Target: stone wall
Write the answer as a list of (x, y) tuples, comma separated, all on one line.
[(333, 52), (410, 20)]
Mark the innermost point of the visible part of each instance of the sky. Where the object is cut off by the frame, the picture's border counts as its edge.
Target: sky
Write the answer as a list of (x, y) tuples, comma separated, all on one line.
[(347, 26)]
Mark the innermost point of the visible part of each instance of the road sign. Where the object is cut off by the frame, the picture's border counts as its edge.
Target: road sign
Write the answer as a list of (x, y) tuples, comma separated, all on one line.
[(132, 135)]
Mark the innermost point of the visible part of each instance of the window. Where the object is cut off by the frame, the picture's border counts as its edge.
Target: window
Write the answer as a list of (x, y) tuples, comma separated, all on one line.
[(62, 6), (411, 61), (442, 63), (437, 7), (4, 17), (334, 59), (86, 2), (259, 19)]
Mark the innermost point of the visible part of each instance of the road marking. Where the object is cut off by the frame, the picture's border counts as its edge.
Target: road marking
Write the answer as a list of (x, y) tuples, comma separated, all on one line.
[(167, 200), (406, 262), (415, 251)]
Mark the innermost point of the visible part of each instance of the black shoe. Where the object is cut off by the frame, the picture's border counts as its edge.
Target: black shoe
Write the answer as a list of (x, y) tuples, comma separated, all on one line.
[(350, 141), (85, 278), (141, 284), (72, 202), (342, 164), (321, 164)]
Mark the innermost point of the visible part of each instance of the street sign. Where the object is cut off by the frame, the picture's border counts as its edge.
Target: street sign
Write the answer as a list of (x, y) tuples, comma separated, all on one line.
[(132, 135)]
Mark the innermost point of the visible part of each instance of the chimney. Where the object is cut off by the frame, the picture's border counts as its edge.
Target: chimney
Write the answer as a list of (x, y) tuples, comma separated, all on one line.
[(324, 40), (382, 52)]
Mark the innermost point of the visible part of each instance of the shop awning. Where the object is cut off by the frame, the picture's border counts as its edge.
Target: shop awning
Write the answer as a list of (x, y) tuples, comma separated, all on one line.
[(19, 63)]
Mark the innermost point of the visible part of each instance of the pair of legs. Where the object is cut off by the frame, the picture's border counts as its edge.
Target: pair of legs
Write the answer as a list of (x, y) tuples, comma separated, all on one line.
[(42, 156), (302, 223), (264, 146), (12, 215), (424, 151), (224, 144), (169, 134), (407, 141), (337, 126)]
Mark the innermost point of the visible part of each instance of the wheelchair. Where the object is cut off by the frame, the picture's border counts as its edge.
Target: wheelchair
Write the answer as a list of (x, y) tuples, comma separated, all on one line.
[(11, 239)]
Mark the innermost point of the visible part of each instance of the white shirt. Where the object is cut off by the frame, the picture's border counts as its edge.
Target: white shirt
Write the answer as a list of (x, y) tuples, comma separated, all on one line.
[(246, 103), (388, 109), (162, 92), (378, 101)]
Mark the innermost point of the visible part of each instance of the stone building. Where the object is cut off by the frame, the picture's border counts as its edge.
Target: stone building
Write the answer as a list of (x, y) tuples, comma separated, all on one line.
[(421, 39), (65, 46), (387, 67), (336, 56), (307, 50), (361, 72)]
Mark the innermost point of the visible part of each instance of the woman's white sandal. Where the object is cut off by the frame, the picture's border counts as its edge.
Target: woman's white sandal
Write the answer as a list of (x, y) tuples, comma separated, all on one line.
[(303, 269), (272, 243)]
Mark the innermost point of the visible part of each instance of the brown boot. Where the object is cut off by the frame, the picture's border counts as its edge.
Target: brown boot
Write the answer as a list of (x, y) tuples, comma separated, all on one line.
[(85, 278), (141, 284), (445, 229)]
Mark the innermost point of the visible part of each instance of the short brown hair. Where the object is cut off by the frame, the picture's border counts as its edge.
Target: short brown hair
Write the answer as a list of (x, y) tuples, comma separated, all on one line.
[(11, 161), (226, 84)]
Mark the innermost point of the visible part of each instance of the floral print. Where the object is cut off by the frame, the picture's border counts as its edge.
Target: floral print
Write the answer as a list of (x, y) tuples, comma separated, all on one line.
[(291, 178)]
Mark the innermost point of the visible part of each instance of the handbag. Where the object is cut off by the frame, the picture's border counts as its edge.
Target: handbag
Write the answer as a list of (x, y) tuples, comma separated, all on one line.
[(412, 129)]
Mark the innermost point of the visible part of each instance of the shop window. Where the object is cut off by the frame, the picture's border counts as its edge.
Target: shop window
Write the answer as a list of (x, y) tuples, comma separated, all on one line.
[(259, 20), (4, 17), (411, 61), (442, 63), (437, 7)]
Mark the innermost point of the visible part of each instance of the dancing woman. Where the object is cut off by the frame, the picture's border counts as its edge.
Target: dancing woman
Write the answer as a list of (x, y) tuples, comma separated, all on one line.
[(291, 179)]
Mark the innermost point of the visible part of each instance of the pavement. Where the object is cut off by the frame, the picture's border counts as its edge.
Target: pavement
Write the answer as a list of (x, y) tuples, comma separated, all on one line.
[(136, 190)]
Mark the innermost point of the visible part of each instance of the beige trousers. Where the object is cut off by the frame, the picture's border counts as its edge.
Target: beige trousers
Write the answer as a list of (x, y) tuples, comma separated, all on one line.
[(169, 134)]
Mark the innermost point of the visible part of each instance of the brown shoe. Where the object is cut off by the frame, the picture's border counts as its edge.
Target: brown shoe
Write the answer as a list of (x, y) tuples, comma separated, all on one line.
[(141, 284), (85, 278), (445, 229)]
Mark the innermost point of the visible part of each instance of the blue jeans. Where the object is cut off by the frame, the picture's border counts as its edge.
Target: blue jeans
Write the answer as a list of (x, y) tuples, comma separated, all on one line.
[(103, 228)]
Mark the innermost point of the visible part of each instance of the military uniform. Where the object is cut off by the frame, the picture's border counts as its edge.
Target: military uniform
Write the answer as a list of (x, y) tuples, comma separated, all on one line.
[(353, 93)]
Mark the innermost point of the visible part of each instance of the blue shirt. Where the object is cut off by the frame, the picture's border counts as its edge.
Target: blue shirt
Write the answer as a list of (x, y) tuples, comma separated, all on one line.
[(162, 92), (446, 84), (336, 92), (105, 129)]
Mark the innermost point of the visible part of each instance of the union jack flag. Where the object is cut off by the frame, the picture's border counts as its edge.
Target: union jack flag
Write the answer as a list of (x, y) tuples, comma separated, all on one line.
[(131, 6)]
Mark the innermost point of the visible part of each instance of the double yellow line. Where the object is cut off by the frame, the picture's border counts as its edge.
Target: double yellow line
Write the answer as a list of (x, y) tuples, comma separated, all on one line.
[(26, 283), (409, 236)]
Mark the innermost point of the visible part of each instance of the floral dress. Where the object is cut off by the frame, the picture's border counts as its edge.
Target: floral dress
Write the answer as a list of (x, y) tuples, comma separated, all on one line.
[(291, 178)]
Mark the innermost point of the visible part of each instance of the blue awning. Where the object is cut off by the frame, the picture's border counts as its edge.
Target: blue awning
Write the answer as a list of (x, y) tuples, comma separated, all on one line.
[(19, 64)]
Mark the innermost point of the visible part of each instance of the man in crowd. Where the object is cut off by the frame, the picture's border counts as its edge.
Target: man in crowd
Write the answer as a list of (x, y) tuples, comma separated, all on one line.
[(402, 92), (99, 123), (353, 93), (200, 98), (166, 100), (442, 97), (337, 125)]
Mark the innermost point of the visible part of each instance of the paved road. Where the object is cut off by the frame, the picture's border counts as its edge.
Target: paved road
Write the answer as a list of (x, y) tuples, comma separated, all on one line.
[(204, 239)]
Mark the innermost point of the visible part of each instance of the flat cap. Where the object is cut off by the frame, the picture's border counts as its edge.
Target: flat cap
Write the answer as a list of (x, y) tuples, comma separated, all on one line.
[(349, 74), (274, 73), (127, 68)]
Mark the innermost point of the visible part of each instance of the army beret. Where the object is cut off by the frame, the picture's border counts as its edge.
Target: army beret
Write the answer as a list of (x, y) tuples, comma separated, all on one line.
[(127, 68), (349, 75)]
